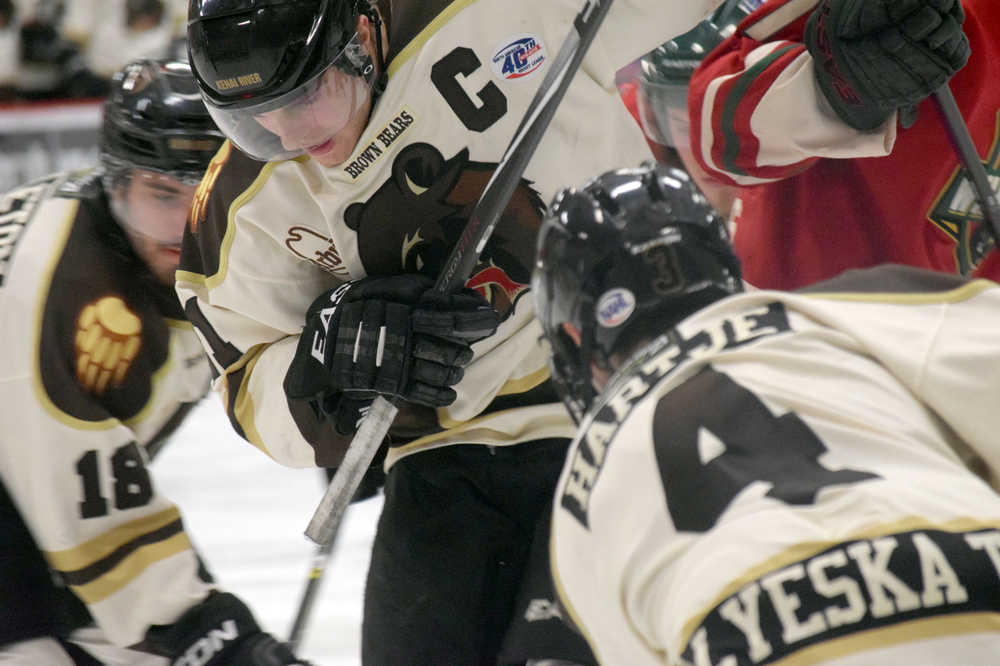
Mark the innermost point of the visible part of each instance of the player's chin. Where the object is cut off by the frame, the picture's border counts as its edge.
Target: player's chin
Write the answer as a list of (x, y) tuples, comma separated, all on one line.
[(164, 263), (334, 155), (337, 149)]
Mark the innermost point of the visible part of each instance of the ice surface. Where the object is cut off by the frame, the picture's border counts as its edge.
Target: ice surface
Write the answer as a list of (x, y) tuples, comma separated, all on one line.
[(246, 515)]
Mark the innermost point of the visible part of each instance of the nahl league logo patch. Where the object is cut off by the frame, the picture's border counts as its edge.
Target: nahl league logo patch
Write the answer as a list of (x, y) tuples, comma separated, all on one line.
[(519, 57), (615, 307)]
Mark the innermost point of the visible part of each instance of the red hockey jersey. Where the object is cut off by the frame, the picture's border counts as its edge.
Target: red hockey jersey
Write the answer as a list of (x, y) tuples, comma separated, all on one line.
[(822, 197)]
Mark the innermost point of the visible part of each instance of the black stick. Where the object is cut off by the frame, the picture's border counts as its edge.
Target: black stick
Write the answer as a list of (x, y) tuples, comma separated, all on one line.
[(319, 561), (961, 140), (465, 254)]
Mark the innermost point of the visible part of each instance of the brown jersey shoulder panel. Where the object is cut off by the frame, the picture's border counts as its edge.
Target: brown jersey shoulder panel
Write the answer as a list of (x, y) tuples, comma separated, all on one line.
[(103, 332), (408, 19), (229, 175)]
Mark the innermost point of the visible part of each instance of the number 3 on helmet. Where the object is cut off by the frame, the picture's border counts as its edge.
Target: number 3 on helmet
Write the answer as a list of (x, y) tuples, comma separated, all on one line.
[(625, 257)]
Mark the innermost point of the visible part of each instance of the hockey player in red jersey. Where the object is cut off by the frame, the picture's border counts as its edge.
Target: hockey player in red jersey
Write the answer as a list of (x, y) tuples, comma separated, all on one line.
[(362, 135), (659, 93), (822, 110), (768, 476), (98, 367)]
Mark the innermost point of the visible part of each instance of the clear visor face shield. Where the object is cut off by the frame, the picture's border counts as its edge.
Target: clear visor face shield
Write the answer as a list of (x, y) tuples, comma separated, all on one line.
[(663, 113), (306, 117), (558, 295), (154, 205)]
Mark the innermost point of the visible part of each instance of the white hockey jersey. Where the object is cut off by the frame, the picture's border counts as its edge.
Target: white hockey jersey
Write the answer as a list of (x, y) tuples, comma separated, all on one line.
[(786, 480), (97, 363), (268, 239)]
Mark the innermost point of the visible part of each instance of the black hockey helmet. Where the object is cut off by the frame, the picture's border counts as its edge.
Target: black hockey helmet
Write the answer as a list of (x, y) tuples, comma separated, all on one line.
[(626, 257), (666, 71), (154, 119), (253, 56)]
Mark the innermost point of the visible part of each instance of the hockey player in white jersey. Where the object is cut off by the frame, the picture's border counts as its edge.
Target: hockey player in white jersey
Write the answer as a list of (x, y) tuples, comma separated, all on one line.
[(374, 131), (765, 477), (98, 367)]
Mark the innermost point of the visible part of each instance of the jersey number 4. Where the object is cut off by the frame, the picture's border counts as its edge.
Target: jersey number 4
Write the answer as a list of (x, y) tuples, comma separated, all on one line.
[(714, 438)]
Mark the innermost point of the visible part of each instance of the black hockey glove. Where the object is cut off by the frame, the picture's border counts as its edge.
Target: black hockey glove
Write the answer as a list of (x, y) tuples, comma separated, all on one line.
[(873, 57), (219, 631), (391, 336)]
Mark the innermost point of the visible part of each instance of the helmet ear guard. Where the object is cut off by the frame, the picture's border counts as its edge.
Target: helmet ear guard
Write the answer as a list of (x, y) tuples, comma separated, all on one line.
[(368, 10), (624, 259)]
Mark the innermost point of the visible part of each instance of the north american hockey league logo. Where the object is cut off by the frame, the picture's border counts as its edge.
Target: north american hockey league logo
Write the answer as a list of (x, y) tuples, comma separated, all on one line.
[(519, 57), (615, 307)]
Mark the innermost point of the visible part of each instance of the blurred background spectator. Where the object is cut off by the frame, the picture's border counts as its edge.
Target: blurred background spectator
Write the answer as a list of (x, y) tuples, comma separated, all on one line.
[(110, 33), (61, 49), (10, 46), (56, 60)]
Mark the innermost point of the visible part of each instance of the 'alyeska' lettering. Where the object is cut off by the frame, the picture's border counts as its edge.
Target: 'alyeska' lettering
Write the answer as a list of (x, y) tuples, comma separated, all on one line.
[(855, 586)]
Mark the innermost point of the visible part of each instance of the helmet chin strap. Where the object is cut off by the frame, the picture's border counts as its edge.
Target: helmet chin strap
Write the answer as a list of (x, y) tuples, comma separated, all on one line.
[(587, 357)]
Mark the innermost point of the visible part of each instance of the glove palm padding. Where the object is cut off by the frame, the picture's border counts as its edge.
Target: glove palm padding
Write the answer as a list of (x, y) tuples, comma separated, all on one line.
[(873, 57), (392, 336)]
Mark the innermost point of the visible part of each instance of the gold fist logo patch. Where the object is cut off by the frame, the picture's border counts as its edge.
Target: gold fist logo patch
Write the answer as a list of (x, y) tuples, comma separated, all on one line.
[(107, 341)]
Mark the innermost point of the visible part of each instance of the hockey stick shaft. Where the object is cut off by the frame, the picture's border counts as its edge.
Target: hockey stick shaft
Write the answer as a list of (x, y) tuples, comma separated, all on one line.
[(462, 260), (505, 179), (319, 561), (966, 150)]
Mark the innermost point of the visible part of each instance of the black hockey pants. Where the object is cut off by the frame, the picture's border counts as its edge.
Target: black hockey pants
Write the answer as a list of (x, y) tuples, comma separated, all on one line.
[(31, 603), (451, 551)]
